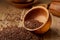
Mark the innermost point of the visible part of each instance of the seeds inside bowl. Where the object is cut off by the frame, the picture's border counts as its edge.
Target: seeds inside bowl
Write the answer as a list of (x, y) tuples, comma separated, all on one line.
[(32, 24)]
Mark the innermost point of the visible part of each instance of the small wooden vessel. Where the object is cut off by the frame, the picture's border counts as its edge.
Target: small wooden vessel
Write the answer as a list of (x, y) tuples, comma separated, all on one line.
[(41, 14), (21, 3)]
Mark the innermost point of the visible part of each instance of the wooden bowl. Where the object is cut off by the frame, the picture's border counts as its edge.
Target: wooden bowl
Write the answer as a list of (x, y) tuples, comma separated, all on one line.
[(41, 14), (55, 8), (22, 0), (56, 0), (21, 5)]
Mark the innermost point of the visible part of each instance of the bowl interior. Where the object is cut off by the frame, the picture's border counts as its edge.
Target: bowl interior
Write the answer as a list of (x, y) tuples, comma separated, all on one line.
[(38, 14)]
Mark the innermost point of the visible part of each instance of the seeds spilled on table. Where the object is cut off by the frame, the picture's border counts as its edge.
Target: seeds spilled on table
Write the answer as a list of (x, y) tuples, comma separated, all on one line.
[(16, 33)]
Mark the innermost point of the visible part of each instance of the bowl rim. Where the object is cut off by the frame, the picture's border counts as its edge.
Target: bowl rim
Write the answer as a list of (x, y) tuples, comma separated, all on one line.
[(23, 4), (41, 7)]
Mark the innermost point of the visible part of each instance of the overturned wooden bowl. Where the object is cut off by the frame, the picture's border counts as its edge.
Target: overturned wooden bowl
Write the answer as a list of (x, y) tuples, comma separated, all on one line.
[(41, 14), (20, 4), (55, 8), (56, 0)]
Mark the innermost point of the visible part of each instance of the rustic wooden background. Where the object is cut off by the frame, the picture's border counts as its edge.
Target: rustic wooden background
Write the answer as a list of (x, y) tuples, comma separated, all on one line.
[(12, 16)]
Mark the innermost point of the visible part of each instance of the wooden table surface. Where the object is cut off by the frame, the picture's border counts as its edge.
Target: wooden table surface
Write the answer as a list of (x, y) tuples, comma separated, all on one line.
[(52, 34)]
